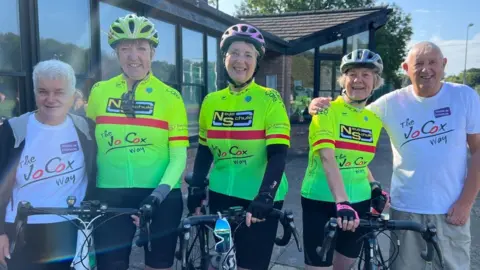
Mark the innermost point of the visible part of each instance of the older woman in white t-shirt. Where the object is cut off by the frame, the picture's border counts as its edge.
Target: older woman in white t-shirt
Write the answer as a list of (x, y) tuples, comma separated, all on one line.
[(45, 156)]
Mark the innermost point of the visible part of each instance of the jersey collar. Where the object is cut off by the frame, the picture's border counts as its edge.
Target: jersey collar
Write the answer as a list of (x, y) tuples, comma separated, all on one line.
[(340, 99), (244, 90)]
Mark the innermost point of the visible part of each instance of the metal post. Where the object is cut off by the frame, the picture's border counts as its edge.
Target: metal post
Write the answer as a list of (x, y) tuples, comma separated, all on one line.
[(466, 49)]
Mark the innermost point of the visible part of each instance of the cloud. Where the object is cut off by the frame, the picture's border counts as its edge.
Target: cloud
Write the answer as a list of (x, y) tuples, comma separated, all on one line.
[(454, 51)]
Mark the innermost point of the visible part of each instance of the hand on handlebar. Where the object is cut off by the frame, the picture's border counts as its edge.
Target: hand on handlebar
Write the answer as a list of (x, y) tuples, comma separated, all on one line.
[(380, 199), (4, 249), (347, 217), (259, 208)]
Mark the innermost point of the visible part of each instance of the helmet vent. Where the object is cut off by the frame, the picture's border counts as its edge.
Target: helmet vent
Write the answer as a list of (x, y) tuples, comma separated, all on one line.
[(244, 28), (146, 29), (235, 28), (118, 30), (131, 25)]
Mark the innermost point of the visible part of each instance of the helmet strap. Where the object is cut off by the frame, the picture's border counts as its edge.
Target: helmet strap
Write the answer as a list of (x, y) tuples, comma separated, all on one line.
[(356, 101)]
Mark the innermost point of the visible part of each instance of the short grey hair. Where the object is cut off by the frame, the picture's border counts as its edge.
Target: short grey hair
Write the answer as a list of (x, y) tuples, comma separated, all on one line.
[(377, 81), (54, 69)]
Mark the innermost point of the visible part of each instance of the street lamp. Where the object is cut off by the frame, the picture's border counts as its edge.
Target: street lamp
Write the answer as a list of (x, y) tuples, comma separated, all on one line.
[(466, 49)]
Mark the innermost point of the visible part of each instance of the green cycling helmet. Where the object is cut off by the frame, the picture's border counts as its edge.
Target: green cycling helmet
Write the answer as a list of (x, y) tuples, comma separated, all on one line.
[(132, 27)]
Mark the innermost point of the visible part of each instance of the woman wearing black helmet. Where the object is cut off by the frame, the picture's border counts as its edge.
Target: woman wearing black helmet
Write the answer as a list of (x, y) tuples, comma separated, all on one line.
[(245, 132)]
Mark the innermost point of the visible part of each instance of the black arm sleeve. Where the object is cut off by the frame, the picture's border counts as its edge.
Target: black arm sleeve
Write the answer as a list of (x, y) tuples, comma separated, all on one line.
[(276, 155), (203, 161), (6, 157)]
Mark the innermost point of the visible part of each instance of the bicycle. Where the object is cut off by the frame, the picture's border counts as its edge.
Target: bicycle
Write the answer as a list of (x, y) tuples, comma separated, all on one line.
[(225, 257), (86, 214), (378, 224)]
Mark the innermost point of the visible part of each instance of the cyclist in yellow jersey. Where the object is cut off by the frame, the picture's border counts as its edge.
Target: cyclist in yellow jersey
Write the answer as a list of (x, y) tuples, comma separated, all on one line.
[(245, 132), (337, 182), (141, 131)]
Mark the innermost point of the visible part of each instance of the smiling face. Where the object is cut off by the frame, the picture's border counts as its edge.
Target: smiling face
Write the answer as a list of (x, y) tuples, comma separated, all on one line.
[(425, 67), (135, 58), (240, 61), (359, 83), (53, 100)]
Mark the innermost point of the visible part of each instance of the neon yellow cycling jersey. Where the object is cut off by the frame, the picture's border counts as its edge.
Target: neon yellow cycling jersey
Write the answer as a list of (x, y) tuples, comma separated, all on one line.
[(237, 127), (353, 134), (134, 152)]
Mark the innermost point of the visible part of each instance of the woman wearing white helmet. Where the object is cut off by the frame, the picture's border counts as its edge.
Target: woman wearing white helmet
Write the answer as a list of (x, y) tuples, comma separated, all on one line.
[(141, 132), (337, 182)]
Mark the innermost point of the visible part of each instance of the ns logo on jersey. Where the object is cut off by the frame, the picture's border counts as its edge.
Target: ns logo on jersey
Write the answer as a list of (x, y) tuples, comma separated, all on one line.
[(356, 134), (114, 105), (232, 119)]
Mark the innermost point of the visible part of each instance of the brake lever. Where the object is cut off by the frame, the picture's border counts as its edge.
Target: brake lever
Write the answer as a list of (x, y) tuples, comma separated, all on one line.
[(430, 237), (20, 221), (287, 232), (293, 228), (331, 228), (144, 224)]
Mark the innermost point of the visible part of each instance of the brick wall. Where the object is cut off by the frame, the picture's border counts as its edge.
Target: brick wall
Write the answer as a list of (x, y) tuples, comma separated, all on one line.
[(280, 65)]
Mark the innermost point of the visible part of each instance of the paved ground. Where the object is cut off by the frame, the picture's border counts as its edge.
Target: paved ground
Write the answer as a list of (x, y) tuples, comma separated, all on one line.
[(286, 258)]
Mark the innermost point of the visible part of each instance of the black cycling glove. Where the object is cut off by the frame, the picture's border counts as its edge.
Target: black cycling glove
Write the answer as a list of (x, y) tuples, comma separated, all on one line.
[(379, 198), (261, 206), (346, 212)]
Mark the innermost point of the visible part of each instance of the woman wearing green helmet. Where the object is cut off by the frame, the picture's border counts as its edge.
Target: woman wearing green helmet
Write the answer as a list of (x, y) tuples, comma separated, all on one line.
[(141, 133)]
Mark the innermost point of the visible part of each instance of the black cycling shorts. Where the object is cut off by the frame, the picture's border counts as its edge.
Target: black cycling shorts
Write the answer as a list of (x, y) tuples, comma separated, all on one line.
[(315, 215), (49, 246), (113, 240), (253, 245)]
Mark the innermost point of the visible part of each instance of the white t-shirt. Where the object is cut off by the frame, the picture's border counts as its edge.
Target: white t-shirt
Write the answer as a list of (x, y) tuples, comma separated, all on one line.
[(429, 144), (51, 168)]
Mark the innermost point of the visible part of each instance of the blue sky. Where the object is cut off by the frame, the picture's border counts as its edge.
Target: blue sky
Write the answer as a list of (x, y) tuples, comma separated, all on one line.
[(442, 21)]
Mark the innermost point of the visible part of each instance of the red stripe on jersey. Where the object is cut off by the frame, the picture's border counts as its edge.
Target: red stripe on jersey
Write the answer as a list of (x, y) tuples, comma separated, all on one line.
[(278, 136), (355, 146), (146, 122), (236, 134), (323, 141)]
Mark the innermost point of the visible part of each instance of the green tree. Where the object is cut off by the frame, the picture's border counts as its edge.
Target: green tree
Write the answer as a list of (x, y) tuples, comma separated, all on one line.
[(391, 43), (391, 39), (472, 78)]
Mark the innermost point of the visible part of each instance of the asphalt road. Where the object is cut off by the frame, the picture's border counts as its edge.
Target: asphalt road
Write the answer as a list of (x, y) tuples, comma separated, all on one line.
[(288, 257)]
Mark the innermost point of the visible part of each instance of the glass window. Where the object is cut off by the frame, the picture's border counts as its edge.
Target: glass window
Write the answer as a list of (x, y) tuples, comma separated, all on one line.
[(163, 64), (358, 41), (338, 73), (335, 47), (10, 52), (212, 64), (9, 93), (302, 74), (326, 75), (67, 40), (271, 81), (191, 96), (192, 56), (325, 93), (108, 14)]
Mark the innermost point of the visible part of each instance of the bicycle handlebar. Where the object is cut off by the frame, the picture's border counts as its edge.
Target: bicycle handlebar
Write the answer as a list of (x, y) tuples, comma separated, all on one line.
[(429, 234), (237, 214), (88, 210)]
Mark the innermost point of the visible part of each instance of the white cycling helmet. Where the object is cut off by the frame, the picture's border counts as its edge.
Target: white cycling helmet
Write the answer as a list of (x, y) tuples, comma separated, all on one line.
[(362, 58)]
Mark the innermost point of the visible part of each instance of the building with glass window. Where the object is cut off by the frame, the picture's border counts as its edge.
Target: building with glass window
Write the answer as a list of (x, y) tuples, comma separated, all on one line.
[(303, 54)]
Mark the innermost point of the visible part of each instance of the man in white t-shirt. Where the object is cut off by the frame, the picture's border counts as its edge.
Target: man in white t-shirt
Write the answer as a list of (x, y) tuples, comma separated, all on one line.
[(432, 125)]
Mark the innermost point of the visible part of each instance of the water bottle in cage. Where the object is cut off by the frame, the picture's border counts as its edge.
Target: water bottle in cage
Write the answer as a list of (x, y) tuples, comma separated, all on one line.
[(224, 259)]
